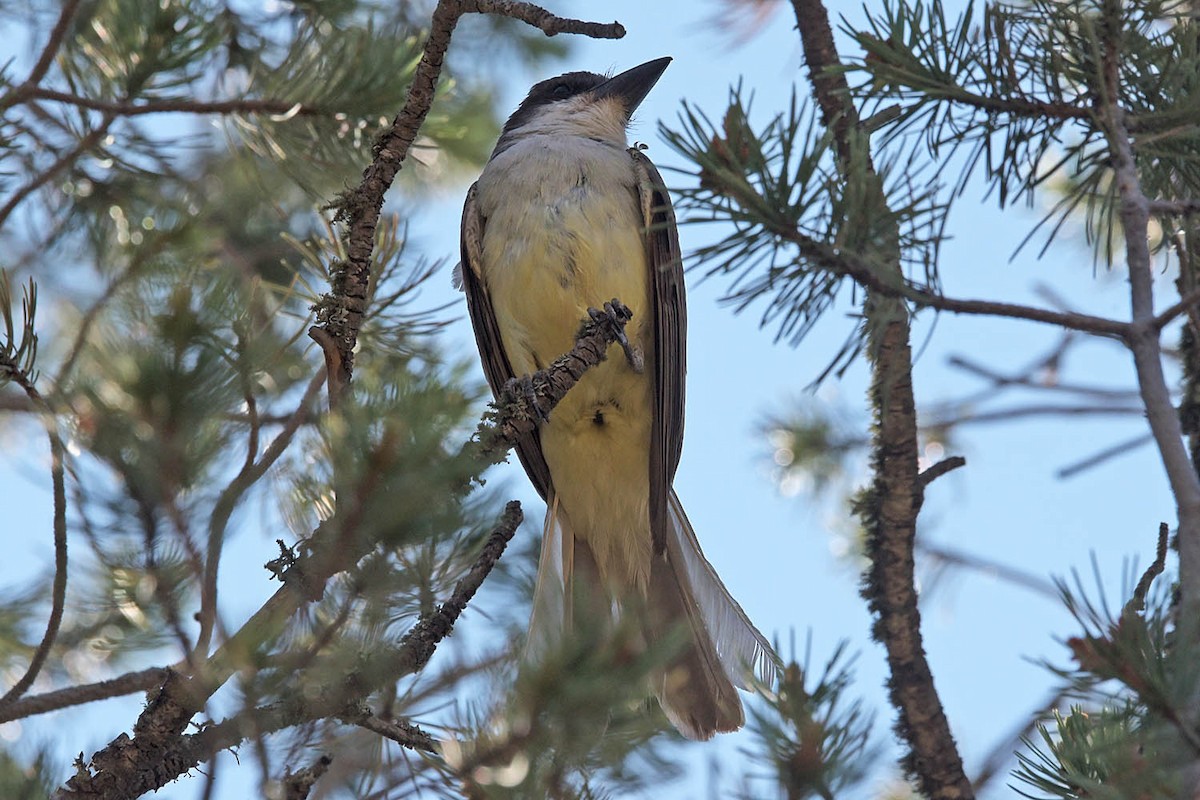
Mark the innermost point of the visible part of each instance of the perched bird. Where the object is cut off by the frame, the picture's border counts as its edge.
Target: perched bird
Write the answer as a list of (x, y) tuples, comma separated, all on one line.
[(565, 217)]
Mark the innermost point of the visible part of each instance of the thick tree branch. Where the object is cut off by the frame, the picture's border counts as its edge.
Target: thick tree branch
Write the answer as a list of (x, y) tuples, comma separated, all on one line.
[(341, 312), (889, 509)]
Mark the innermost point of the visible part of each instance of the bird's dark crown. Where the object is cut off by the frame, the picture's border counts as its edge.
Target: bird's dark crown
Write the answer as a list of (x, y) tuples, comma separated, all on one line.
[(552, 90)]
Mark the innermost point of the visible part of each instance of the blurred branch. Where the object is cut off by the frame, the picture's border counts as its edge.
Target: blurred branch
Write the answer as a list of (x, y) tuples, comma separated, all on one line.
[(1032, 410), (960, 558), (11, 369), (1120, 448), (297, 785), (158, 754), (341, 312), (1185, 305), (163, 106), (1175, 207), (402, 733), (85, 143), (44, 703), (250, 473), (1028, 379), (1001, 755), (889, 511), (46, 59)]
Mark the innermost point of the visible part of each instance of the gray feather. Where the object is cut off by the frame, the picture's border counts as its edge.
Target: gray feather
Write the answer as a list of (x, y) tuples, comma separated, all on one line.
[(745, 653)]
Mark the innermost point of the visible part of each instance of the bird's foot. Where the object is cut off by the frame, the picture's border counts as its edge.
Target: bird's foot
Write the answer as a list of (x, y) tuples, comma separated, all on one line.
[(616, 314), (522, 389)]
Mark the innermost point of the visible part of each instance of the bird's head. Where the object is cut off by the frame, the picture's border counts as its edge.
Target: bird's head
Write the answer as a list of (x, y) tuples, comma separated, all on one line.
[(583, 104)]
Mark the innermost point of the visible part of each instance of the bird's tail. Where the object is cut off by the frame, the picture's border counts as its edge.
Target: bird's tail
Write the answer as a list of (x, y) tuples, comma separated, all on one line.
[(722, 649)]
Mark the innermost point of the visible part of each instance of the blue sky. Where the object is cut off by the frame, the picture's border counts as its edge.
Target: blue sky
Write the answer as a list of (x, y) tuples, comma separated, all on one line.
[(775, 552)]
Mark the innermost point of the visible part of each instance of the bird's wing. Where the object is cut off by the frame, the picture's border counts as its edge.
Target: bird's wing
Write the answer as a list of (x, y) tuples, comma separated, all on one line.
[(487, 336), (670, 339)]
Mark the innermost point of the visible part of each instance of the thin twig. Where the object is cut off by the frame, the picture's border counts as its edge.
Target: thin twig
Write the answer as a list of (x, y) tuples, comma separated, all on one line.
[(850, 264), (1185, 304), (1029, 381), (129, 767), (1033, 410), (1001, 754), (939, 469), (418, 644), (58, 593), (1112, 451), (1017, 577), (1175, 207), (57, 34), (1138, 601)]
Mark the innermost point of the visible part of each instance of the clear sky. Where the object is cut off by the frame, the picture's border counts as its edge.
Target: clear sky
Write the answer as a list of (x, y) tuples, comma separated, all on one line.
[(777, 553)]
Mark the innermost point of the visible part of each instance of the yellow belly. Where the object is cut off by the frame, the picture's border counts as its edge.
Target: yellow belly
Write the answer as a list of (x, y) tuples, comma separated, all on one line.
[(545, 263)]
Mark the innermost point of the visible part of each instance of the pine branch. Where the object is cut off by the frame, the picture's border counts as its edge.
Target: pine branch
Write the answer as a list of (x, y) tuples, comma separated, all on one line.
[(847, 263), (180, 697), (405, 734), (890, 512), (1181, 208), (158, 754)]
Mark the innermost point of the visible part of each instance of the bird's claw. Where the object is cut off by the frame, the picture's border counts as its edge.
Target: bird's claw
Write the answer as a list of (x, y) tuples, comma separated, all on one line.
[(616, 314)]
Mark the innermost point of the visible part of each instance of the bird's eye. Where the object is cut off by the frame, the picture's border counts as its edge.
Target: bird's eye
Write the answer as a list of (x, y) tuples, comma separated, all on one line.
[(562, 91)]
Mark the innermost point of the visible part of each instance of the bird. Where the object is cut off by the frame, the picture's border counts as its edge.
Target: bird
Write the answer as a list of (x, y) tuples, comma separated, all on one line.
[(565, 217)]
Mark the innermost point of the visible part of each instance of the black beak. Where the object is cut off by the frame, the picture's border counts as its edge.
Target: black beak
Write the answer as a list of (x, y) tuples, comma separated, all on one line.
[(632, 85)]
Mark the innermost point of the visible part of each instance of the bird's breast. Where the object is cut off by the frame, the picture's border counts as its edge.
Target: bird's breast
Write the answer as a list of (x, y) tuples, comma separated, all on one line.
[(563, 232)]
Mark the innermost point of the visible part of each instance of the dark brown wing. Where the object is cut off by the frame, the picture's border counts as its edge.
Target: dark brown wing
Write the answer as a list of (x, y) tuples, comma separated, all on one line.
[(670, 339), (487, 337)]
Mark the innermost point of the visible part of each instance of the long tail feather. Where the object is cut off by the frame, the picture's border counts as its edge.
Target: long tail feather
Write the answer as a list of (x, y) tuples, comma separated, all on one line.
[(550, 611), (696, 689), (744, 652)]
